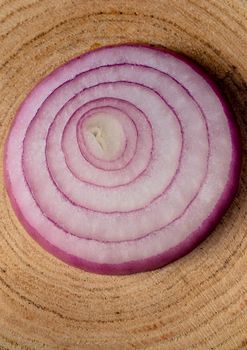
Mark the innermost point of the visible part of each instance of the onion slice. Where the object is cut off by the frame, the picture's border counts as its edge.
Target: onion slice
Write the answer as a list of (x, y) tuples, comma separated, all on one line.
[(122, 160)]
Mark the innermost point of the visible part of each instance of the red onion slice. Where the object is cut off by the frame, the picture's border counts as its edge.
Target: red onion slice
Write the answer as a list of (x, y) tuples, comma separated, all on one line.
[(122, 160)]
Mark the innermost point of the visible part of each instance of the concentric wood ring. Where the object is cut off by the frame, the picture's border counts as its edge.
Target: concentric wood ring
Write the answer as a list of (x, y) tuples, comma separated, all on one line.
[(198, 302)]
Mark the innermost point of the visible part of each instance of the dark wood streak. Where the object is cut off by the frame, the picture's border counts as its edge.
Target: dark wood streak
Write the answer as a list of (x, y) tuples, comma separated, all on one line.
[(18, 10), (63, 22), (177, 337), (11, 342), (213, 275), (228, 323), (13, 250), (36, 305), (39, 36), (222, 325), (19, 24), (213, 14), (207, 10), (20, 257), (5, 3), (232, 8), (53, 27)]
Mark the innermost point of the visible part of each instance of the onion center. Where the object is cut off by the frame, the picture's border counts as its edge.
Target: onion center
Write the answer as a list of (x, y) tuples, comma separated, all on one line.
[(104, 136)]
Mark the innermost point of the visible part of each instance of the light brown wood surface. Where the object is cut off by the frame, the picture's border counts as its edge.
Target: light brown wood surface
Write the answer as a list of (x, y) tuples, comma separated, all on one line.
[(198, 302)]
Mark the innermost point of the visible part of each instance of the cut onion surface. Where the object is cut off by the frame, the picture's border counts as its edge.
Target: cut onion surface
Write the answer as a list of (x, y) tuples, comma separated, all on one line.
[(123, 159)]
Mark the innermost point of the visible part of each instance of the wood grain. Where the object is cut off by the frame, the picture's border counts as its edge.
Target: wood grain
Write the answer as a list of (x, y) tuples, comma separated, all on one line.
[(198, 302)]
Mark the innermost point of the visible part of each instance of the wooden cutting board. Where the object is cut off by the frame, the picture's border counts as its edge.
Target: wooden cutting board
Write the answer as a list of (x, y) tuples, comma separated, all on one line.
[(198, 302)]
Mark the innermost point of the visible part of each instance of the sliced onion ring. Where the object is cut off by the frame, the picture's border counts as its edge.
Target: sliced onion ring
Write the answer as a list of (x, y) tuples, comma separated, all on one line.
[(122, 160)]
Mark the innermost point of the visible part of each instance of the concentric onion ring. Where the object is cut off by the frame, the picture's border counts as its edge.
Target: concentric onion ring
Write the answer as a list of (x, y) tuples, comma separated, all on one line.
[(122, 160)]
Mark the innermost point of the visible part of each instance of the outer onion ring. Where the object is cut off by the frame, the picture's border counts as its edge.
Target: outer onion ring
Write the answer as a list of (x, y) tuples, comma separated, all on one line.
[(131, 238)]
